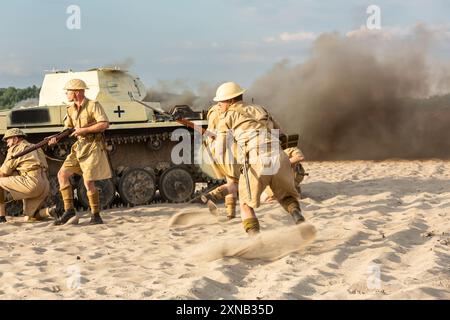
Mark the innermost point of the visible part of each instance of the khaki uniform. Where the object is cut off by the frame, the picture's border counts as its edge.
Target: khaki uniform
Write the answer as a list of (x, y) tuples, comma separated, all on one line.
[(259, 147), (225, 164), (298, 176), (88, 156), (27, 177)]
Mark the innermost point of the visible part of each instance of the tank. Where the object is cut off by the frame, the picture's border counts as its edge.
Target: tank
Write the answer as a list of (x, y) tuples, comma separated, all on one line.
[(139, 140)]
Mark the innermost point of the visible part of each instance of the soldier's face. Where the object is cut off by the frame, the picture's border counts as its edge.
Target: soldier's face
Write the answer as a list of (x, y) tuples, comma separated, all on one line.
[(224, 105), (70, 95), (11, 141)]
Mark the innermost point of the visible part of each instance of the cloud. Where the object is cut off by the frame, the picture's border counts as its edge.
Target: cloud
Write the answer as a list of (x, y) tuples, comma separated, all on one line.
[(299, 36), (291, 37)]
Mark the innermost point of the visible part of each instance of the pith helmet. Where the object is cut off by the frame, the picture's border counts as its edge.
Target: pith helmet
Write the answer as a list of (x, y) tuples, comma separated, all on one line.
[(14, 132), (227, 91), (75, 84)]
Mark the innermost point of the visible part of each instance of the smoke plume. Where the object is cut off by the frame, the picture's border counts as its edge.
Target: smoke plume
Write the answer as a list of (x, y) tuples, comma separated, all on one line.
[(164, 92), (356, 97)]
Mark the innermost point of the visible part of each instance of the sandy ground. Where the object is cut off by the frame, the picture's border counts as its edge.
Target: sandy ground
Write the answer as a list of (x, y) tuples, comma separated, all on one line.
[(383, 232)]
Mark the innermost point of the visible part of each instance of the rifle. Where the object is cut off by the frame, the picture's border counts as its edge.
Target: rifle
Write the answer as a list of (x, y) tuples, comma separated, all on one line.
[(65, 133), (245, 172), (182, 121)]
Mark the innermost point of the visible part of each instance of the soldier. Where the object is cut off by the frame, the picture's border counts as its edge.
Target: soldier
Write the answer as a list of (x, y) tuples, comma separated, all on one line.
[(224, 167), (88, 155), (25, 177), (249, 135)]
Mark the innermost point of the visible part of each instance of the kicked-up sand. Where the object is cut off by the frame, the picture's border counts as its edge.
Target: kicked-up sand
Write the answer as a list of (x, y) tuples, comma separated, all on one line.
[(375, 230)]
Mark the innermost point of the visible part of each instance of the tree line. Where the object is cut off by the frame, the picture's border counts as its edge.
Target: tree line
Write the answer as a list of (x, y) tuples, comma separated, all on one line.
[(9, 97)]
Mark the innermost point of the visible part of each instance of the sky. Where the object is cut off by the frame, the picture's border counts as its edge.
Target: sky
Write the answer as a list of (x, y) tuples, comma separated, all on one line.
[(184, 43)]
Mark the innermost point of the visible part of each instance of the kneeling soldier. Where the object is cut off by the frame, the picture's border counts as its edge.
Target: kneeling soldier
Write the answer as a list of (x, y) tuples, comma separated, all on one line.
[(31, 184)]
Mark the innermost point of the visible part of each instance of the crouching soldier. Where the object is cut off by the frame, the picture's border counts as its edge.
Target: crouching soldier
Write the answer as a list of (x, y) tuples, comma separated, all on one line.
[(248, 134), (24, 177)]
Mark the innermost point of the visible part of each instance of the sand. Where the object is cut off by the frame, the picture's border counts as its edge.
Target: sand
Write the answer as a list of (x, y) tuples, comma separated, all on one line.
[(376, 230)]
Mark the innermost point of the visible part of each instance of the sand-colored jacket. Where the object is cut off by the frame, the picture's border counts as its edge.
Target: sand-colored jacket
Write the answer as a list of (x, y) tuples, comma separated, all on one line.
[(88, 155), (26, 177), (224, 159)]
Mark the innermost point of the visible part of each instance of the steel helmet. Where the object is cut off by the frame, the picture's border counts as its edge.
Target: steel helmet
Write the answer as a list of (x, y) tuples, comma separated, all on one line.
[(14, 132), (227, 91), (75, 84)]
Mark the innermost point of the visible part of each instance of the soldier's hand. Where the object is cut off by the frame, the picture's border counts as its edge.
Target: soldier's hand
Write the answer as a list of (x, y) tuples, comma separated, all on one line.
[(79, 132), (52, 141)]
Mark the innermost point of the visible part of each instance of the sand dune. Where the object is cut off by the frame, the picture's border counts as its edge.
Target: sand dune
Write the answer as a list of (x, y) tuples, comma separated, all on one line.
[(376, 230)]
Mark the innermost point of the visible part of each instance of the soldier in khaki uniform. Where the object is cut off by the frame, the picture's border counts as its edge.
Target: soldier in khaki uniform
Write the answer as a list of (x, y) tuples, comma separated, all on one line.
[(25, 177), (224, 167), (88, 156), (256, 143)]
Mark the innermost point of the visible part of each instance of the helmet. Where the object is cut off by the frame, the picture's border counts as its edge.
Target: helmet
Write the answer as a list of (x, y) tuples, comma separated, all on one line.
[(227, 91), (14, 132), (75, 84)]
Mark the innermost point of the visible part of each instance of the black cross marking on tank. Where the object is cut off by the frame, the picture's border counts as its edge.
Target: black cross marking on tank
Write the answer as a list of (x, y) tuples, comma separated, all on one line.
[(119, 111)]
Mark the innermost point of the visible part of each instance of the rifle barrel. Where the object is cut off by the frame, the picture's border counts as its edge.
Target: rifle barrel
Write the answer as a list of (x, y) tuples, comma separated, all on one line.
[(43, 143)]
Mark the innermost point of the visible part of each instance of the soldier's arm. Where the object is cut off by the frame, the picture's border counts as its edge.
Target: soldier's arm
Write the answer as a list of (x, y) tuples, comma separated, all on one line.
[(102, 122), (9, 165), (295, 156), (295, 159), (100, 117)]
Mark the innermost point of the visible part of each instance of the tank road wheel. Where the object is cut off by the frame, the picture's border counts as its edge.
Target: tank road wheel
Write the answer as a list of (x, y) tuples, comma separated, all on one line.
[(105, 187), (14, 208), (176, 185), (137, 186)]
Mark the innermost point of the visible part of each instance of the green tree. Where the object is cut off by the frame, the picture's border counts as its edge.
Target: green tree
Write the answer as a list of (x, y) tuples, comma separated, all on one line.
[(10, 96)]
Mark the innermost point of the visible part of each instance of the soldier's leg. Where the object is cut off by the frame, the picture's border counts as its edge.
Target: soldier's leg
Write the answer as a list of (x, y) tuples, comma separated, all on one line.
[(231, 197), (2, 206), (292, 206), (249, 220), (33, 207), (230, 206), (213, 196), (65, 188), (94, 202), (218, 193), (248, 202), (284, 190), (227, 191)]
